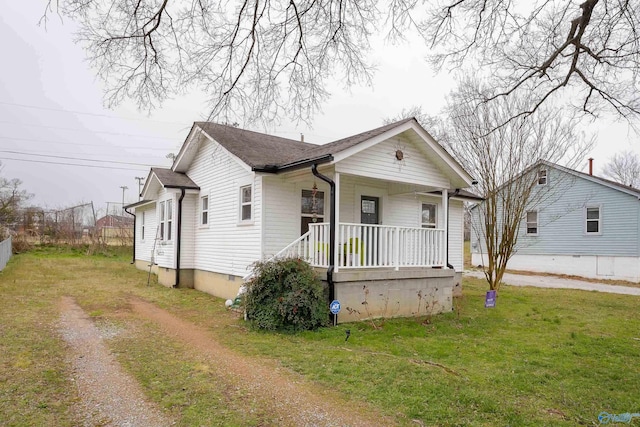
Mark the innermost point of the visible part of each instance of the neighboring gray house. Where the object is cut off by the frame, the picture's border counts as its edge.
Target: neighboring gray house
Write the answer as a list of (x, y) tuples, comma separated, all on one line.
[(232, 197), (579, 224)]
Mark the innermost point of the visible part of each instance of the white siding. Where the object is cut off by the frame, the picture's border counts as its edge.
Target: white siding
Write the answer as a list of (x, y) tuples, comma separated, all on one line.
[(189, 218), (165, 249), (281, 218), (456, 234), (380, 162), (282, 209), (144, 247), (226, 246)]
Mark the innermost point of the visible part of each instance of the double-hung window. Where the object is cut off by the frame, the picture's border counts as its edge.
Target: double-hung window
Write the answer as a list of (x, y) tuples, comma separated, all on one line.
[(166, 219), (204, 210), (428, 215), (169, 218), (542, 177), (245, 203), (593, 220), (532, 223), (163, 220)]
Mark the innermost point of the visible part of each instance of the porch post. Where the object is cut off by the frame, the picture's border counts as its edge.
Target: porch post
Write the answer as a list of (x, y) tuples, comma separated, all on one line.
[(445, 219), (336, 256)]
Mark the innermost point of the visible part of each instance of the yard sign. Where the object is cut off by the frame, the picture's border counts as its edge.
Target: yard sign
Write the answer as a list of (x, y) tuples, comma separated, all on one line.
[(490, 299)]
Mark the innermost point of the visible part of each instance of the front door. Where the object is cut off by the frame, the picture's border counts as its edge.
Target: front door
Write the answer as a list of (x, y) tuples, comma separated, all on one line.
[(368, 246), (370, 210)]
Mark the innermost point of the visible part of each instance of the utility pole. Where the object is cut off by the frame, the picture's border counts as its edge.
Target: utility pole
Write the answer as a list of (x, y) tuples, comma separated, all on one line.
[(139, 178), (124, 187)]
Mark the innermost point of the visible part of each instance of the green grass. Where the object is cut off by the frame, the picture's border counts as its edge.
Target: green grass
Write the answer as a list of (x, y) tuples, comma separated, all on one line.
[(541, 357)]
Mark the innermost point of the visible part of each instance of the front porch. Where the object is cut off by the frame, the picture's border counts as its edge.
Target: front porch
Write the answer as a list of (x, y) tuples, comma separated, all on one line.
[(367, 246)]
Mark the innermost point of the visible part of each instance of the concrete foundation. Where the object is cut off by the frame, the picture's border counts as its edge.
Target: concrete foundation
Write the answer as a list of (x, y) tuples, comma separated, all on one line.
[(376, 293), (363, 293), (224, 286), (167, 276)]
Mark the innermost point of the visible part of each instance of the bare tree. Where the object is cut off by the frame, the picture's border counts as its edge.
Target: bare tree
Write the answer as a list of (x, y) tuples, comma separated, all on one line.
[(12, 197), (260, 59), (624, 168), (508, 164), (587, 53), (256, 59)]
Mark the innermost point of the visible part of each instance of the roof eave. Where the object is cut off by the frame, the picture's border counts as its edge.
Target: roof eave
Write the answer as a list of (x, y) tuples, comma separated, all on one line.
[(300, 164), (138, 204)]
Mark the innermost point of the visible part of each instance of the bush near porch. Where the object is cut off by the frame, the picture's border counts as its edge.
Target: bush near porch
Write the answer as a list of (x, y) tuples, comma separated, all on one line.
[(286, 294), (541, 357)]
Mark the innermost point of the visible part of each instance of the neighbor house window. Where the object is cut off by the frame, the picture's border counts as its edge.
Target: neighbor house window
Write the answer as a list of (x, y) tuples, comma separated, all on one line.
[(532, 223), (204, 206), (542, 177), (312, 208), (593, 218), (245, 203), (162, 221), (142, 226), (428, 215)]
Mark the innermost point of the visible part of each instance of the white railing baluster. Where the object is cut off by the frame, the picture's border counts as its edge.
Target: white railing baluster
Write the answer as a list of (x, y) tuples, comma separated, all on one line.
[(370, 246)]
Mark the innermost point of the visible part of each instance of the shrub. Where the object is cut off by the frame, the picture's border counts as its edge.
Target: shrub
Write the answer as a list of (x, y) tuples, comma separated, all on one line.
[(286, 294)]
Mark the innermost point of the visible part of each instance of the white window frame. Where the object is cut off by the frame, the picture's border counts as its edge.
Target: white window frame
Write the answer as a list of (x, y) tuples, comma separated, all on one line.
[(543, 177), (527, 222), (162, 221), (205, 212), (242, 204), (587, 220), (142, 226), (169, 234), (433, 224)]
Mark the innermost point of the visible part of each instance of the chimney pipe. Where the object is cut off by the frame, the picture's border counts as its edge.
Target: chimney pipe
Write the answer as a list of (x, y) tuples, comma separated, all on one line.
[(302, 137), (590, 165)]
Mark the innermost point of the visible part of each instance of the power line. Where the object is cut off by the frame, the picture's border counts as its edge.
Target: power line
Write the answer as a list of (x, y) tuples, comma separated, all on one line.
[(74, 158), (70, 164), (62, 110), (102, 156), (85, 130), (83, 144)]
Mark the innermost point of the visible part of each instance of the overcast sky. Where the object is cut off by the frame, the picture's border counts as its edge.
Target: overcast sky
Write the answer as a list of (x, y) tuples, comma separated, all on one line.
[(51, 115)]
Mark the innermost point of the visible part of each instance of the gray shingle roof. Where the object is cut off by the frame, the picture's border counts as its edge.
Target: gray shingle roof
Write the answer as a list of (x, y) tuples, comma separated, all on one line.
[(259, 150), (350, 141), (254, 148), (169, 178)]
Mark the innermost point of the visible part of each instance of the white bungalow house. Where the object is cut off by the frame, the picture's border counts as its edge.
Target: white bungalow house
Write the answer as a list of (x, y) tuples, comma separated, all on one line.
[(379, 214), (575, 223)]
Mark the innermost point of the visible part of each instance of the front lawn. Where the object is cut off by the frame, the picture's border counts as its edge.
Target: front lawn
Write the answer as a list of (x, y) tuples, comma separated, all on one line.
[(541, 357)]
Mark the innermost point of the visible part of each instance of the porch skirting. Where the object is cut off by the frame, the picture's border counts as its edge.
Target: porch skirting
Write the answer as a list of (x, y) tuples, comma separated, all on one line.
[(376, 293)]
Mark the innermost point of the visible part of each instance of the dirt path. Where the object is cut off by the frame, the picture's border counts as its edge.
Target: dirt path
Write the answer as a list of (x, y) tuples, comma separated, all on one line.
[(109, 396), (294, 401)]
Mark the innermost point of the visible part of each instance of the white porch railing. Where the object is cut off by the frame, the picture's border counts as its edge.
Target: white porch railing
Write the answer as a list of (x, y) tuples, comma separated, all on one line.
[(312, 246), (371, 246)]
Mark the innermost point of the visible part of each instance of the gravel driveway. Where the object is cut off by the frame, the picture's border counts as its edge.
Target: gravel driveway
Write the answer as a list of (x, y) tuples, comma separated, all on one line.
[(111, 397), (558, 282)]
